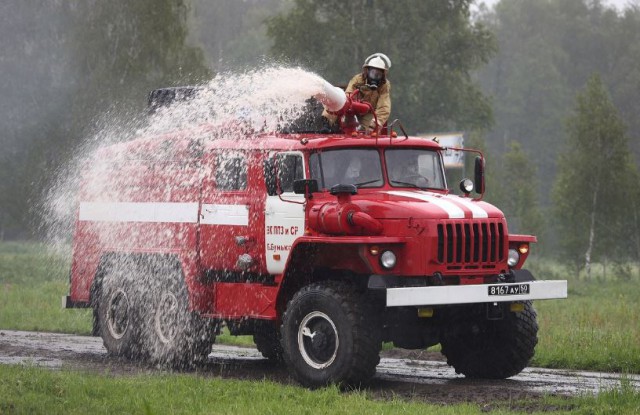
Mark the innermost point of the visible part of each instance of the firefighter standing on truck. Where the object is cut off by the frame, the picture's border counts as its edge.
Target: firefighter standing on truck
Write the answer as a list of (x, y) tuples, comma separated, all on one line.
[(374, 88)]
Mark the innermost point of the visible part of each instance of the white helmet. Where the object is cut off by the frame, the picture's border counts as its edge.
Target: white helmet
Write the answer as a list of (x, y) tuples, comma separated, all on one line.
[(378, 60)]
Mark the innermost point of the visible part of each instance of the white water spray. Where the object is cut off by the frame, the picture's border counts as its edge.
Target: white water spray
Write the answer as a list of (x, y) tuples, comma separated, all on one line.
[(263, 100), (136, 160)]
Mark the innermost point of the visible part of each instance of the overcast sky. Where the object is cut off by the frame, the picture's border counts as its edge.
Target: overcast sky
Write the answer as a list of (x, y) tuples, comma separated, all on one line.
[(620, 4)]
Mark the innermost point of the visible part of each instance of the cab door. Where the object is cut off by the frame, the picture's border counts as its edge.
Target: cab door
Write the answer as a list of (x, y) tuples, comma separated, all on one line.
[(284, 211)]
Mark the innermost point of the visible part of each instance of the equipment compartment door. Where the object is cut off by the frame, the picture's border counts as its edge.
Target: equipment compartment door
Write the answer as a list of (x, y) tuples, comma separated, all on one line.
[(227, 217)]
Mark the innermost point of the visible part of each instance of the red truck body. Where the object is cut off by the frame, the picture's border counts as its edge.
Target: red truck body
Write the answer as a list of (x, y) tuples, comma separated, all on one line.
[(250, 245)]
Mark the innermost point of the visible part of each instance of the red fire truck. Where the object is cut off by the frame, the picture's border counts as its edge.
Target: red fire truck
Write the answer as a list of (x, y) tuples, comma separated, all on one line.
[(321, 246)]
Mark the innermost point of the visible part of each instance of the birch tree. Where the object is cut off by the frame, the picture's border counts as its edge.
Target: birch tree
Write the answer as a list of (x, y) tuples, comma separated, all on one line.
[(596, 187)]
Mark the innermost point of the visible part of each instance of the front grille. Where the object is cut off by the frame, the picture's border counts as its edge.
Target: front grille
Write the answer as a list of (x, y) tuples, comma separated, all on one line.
[(477, 244)]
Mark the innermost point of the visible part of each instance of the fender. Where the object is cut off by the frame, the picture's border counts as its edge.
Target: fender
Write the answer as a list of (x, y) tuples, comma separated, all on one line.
[(347, 253), (522, 243)]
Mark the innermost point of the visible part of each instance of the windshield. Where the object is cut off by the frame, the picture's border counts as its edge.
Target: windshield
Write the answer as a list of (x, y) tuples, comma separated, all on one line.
[(360, 167), (407, 167), (413, 167)]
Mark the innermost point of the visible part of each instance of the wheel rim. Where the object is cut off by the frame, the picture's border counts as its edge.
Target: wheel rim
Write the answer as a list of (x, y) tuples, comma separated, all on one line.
[(166, 317), (118, 314), (318, 340)]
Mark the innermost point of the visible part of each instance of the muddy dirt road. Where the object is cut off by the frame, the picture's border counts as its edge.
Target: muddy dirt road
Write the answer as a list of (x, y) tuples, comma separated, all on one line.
[(400, 374)]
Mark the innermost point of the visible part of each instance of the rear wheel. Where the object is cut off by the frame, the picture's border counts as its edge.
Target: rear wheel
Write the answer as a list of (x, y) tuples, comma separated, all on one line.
[(173, 335), (119, 311), (330, 335), (267, 340), (494, 349)]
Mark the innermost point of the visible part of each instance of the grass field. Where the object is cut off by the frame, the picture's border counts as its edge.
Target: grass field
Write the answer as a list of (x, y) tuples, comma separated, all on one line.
[(31, 390), (596, 328)]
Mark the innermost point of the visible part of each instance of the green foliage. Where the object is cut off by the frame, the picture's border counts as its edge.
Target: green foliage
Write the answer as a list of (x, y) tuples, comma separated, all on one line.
[(80, 66), (233, 34), (517, 190), (32, 88), (125, 49), (547, 50), (432, 44), (592, 201)]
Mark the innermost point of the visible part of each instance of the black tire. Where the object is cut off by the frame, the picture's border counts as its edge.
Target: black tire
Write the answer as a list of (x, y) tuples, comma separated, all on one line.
[(491, 349), (330, 335), (267, 340), (119, 311), (173, 336)]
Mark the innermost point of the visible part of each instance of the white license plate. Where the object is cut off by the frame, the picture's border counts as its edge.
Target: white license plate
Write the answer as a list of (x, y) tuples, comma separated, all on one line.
[(511, 289)]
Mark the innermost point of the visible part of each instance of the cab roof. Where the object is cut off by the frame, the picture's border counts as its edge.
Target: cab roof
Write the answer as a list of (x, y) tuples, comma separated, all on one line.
[(195, 142)]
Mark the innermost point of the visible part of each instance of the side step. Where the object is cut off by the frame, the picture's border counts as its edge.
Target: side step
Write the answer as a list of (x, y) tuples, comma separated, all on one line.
[(67, 302)]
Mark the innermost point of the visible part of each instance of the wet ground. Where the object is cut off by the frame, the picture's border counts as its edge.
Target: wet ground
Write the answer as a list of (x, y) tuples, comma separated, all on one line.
[(404, 374)]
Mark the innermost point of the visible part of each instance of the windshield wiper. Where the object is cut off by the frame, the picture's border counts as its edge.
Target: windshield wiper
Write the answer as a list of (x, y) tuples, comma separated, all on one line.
[(406, 184), (365, 183)]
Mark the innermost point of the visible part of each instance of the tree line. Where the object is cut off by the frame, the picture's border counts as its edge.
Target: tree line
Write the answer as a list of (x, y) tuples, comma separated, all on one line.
[(548, 89), (564, 85)]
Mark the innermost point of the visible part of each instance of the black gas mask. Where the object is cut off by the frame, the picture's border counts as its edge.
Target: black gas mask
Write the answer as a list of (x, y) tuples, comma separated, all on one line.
[(375, 78)]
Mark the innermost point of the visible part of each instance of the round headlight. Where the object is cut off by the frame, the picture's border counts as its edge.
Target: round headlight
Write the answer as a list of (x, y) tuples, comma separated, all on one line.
[(514, 258), (388, 259)]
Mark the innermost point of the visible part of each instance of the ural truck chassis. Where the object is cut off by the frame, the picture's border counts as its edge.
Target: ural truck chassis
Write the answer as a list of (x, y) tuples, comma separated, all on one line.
[(321, 246)]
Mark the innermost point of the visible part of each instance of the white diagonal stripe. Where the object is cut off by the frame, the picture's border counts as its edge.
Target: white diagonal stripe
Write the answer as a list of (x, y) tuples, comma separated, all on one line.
[(477, 211), (139, 212), (213, 214), (454, 211)]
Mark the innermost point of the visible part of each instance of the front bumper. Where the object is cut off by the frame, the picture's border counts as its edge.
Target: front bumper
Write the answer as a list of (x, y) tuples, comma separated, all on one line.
[(469, 294)]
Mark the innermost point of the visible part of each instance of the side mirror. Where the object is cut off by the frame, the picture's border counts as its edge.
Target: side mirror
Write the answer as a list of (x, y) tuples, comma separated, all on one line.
[(479, 175), (305, 187), (270, 177)]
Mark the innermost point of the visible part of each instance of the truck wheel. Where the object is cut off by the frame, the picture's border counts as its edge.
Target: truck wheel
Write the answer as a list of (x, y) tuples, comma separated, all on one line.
[(330, 335), (118, 313), (490, 349), (267, 340), (174, 336)]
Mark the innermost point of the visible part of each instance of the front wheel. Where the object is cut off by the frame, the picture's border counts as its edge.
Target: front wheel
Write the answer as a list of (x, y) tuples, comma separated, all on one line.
[(492, 349), (330, 335)]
